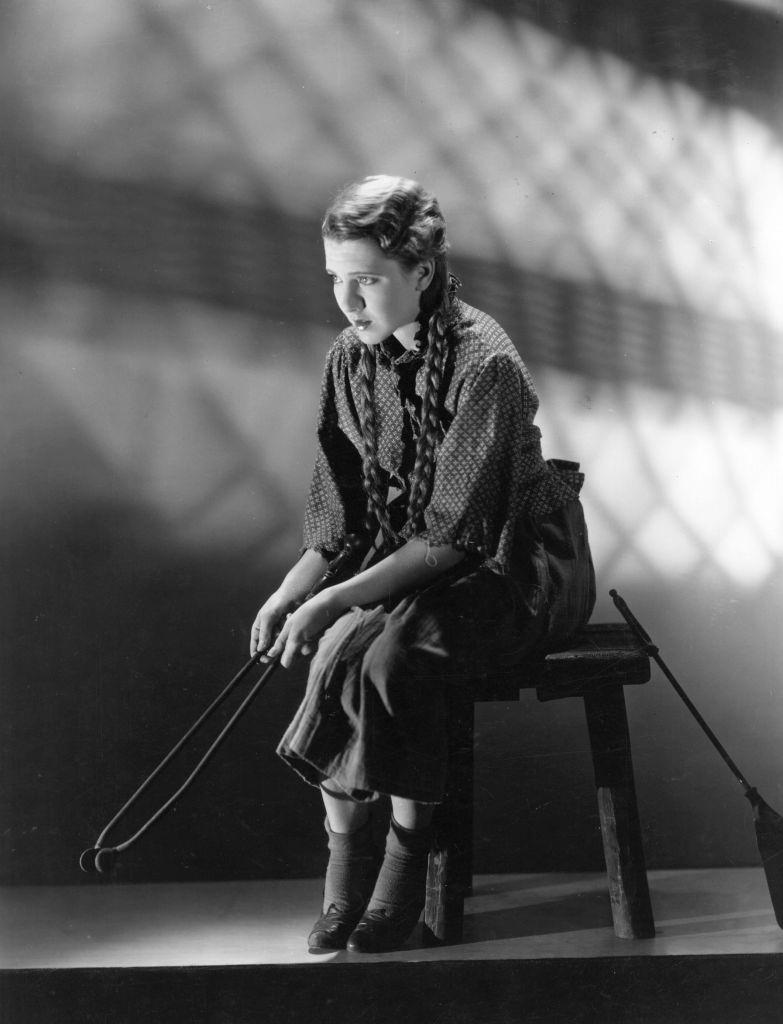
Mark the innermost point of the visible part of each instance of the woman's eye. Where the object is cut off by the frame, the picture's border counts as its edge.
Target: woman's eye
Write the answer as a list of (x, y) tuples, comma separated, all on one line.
[(365, 280)]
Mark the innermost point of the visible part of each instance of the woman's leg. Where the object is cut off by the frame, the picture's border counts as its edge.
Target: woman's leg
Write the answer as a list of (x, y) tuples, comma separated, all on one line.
[(398, 897), (344, 815), (387, 683), (350, 873), (410, 814)]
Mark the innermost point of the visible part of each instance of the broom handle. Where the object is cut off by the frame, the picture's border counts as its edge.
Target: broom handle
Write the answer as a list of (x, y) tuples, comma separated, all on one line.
[(651, 649)]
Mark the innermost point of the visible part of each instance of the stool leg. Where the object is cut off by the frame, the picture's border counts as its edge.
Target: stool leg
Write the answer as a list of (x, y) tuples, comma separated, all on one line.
[(450, 869), (610, 742)]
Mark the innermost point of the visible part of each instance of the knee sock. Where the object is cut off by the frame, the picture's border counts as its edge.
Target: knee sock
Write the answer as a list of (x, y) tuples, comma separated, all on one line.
[(401, 884), (352, 868)]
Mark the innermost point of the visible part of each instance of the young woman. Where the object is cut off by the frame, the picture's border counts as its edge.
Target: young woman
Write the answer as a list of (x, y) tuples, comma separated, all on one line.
[(425, 439)]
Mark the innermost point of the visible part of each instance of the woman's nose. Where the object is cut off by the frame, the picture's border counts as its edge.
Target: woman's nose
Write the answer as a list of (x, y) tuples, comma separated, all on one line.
[(349, 298)]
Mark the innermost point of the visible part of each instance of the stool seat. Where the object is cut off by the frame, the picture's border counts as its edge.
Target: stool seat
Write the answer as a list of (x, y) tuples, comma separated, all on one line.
[(595, 665), (599, 655)]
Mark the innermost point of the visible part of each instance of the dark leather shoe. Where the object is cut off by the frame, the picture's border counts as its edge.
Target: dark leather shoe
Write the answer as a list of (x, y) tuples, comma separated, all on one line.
[(379, 933), (331, 930)]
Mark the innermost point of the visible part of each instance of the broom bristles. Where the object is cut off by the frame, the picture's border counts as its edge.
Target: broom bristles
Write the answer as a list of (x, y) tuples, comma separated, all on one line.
[(769, 837)]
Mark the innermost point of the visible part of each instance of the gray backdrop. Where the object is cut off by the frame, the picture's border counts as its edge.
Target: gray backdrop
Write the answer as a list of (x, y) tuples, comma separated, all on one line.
[(612, 183)]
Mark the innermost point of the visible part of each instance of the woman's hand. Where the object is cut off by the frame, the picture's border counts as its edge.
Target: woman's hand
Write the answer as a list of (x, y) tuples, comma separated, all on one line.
[(303, 627), (298, 582), (269, 620)]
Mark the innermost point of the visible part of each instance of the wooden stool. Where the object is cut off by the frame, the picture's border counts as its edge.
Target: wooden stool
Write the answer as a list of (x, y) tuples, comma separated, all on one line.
[(602, 659)]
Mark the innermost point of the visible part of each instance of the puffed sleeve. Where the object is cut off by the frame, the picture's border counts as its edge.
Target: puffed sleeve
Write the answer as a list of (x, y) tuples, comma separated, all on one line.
[(490, 469), (336, 501)]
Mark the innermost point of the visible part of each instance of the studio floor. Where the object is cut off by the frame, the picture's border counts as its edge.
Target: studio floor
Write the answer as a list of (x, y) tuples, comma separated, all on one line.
[(509, 917), (537, 948)]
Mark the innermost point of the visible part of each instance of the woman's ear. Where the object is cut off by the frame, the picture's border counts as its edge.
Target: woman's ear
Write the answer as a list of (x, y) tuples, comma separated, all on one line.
[(425, 273)]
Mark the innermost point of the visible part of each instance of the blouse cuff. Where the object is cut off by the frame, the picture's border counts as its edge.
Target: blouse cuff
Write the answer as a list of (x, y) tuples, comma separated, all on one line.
[(326, 551)]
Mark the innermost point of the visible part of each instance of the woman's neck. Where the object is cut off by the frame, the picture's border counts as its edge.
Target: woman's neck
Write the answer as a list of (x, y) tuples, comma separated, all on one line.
[(406, 335)]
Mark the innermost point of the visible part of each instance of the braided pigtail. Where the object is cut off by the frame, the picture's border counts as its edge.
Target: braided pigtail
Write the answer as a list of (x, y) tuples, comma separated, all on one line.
[(424, 466), (377, 515)]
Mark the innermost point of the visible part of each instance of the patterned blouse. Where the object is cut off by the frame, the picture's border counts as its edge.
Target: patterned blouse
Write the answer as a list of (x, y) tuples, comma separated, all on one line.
[(490, 480)]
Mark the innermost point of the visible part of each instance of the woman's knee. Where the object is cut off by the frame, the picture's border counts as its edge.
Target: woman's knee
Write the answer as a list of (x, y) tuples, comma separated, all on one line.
[(408, 653), (386, 659)]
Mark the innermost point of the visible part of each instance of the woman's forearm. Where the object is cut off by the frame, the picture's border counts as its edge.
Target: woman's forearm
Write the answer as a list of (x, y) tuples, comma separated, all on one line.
[(303, 576), (412, 566)]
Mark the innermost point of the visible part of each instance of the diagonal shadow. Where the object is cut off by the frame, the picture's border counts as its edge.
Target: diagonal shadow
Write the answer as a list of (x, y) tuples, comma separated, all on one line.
[(584, 911), (142, 238), (727, 50)]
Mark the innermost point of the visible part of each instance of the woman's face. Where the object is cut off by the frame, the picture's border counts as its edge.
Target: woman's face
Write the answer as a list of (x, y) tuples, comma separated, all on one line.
[(376, 294)]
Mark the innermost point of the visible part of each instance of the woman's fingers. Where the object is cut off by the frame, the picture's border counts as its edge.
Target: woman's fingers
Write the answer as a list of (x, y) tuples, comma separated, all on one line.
[(261, 633), (259, 636), (298, 636), (291, 644), (276, 649), (291, 648)]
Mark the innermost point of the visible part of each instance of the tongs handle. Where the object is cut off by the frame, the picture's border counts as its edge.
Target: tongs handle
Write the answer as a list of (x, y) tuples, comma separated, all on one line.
[(101, 858)]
